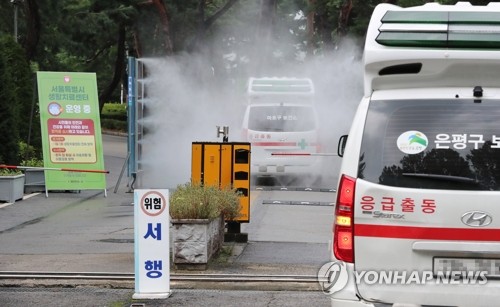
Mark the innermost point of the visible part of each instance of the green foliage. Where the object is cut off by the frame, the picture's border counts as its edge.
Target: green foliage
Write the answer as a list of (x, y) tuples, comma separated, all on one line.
[(82, 35), (9, 172), (32, 162), (194, 201), (9, 112), (16, 118), (114, 111), (111, 108), (224, 255), (23, 81), (29, 152), (28, 155), (114, 117), (114, 124)]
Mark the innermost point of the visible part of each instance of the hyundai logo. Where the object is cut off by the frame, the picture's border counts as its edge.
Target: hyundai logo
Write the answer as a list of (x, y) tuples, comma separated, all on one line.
[(476, 219)]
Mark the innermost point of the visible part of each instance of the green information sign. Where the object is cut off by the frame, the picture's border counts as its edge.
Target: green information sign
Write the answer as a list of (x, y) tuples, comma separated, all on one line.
[(71, 131)]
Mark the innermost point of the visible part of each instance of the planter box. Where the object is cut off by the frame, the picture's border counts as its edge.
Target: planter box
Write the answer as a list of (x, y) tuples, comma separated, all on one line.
[(196, 241), (11, 188), (34, 181)]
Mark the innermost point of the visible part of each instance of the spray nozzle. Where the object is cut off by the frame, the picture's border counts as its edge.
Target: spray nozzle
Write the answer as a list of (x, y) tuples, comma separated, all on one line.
[(224, 130)]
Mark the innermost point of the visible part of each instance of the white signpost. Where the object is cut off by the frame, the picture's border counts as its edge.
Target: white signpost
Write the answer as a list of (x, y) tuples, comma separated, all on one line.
[(151, 242)]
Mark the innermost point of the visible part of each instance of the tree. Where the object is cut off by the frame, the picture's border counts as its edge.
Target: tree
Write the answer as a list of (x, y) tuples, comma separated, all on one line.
[(162, 12), (23, 83), (74, 35), (265, 31), (344, 17), (32, 28), (204, 23), (96, 35), (121, 14), (9, 117)]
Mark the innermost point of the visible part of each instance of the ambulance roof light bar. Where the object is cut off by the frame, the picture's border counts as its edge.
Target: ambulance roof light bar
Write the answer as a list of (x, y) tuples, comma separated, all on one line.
[(431, 46), (444, 29), (280, 86)]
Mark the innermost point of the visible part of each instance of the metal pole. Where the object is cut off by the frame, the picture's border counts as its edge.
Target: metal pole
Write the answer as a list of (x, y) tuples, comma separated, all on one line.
[(121, 173), (33, 103), (131, 115)]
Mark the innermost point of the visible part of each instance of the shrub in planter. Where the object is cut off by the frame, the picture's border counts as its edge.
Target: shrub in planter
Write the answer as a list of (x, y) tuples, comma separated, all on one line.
[(195, 201), (33, 162), (198, 214), (34, 174), (9, 172)]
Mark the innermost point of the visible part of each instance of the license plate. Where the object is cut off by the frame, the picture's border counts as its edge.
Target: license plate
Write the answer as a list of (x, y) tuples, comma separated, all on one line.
[(467, 265)]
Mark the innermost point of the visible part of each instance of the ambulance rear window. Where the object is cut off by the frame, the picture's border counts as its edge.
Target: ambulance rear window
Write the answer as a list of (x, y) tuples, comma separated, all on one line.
[(282, 118), (440, 144)]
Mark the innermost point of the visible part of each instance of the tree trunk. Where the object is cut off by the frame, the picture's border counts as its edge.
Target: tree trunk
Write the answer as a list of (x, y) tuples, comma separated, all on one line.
[(164, 20), (345, 12), (310, 28), (205, 24), (201, 28), (262, 50), (119, 69), (137, 43), (33, 28)]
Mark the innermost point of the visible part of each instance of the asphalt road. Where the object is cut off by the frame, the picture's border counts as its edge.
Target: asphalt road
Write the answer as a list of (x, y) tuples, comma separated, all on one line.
[(94, 297), (88, 232)]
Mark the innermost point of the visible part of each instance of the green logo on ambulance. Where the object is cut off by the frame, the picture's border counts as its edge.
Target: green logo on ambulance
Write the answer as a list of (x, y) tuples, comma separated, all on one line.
[(412, 142)]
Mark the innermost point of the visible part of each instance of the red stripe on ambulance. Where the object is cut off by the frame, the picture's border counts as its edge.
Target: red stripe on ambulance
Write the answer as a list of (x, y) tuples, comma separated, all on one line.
[(274, 144), (280, 144), (427, 233)]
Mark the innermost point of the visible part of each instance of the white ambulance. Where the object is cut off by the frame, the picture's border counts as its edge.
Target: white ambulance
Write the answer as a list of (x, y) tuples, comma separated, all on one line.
[(281, 123), (417, 216)]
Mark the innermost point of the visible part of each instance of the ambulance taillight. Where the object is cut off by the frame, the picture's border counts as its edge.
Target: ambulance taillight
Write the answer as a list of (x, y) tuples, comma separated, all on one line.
[(343, 232)]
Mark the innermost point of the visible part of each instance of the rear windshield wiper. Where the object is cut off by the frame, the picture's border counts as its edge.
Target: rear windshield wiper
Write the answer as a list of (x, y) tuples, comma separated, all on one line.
[(442, 177)]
